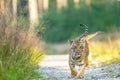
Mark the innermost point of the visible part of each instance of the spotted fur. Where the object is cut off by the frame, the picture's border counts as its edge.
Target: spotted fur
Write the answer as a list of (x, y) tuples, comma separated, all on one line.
[(78, 54)]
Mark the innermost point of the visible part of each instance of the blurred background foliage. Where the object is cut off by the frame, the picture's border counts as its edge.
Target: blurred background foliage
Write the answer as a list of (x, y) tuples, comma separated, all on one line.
[(61, 25), (99, 15)]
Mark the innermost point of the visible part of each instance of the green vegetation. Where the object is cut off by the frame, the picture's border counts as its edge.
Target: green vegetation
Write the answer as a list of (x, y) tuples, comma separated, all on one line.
[(19, 53), (118, 75), (63, 25), (16, 64)]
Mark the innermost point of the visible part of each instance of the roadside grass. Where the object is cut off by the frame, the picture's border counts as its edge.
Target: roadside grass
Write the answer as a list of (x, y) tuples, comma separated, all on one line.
[(17, 64), (106, 51), (19, 52)]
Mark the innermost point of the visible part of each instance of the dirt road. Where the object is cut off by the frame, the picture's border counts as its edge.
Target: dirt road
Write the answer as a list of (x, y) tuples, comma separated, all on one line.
[(55, 67)]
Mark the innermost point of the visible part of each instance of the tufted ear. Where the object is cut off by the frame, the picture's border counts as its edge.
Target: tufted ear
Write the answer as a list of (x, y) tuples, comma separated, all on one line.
[(70, 41)]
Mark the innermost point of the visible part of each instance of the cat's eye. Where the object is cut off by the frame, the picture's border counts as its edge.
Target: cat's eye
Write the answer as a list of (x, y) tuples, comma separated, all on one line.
[(81, 47)]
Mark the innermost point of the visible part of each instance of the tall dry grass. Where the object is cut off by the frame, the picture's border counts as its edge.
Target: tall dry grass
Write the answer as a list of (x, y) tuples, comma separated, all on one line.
[(106, 50), (20, 52)]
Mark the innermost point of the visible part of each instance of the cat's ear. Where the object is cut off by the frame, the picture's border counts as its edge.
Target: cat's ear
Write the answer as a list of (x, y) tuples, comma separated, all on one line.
[(70, 41)]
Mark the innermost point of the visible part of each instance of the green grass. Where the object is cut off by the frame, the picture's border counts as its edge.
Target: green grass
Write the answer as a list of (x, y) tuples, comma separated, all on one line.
[(16, 64)]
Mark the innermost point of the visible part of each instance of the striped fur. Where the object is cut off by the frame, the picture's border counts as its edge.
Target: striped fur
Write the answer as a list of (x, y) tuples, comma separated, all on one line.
[(78, 55)]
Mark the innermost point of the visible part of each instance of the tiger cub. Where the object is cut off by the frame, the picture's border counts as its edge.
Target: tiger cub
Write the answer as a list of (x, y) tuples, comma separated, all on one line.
[(78, 54)]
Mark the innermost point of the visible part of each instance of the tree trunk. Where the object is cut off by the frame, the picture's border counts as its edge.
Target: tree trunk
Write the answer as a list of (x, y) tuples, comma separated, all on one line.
[(2, 6), (45, 4), (33, 14), (13, 8), (88, 2), (40, 8), (61, 3), (76, 3)]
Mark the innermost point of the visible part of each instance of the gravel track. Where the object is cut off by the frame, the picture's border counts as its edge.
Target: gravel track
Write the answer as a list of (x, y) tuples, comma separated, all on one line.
[(55, 67)]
